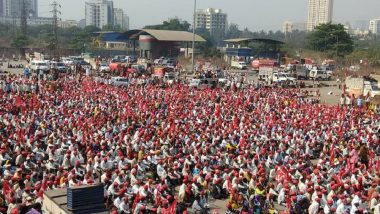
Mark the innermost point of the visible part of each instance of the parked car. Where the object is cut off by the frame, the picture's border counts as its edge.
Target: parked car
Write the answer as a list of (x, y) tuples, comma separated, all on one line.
[(104, 67), (59, 66), (203, 83), (119, 81), (169, 77), (38, 65), (131, 59), (83, 63), (319, 75), (140, 69), (239, 65)]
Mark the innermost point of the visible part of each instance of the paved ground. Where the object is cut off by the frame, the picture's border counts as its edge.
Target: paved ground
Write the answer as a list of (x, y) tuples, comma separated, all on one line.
[(4, 67), (329, 91)]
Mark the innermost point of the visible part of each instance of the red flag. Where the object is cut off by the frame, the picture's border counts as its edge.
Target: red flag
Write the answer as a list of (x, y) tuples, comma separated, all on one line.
[(348, 165), (171, 209), (217, 110), (137, 198), (332, 155)]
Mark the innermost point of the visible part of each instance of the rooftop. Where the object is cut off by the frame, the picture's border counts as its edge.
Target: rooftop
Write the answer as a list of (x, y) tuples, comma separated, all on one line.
[(164, 35), (239, 40)]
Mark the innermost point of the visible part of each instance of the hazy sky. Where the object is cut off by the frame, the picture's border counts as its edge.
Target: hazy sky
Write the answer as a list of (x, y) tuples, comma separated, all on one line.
[(254, 14)]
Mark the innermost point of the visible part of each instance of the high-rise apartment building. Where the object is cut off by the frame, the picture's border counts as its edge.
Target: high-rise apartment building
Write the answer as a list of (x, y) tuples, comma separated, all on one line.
[(374, 26), (99, 13), (211, 19), (319, 12), (13, 8), (287, 27), (121, 19), (1, 7)]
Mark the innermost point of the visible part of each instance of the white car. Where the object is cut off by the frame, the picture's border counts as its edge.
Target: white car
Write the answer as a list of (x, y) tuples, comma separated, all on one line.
[(282, 77), (239, 65), (39, 65), (67, 61), (119, 81), (169, 78), (319, 75), (59, 66), (104, 67)]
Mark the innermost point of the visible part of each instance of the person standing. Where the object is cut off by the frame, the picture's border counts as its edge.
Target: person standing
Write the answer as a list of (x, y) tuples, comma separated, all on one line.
[(348, 101), (359, 102), (342, 100)]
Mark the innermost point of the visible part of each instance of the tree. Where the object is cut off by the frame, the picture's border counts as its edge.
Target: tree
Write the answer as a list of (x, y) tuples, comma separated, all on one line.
[(111, 28), (171, 24), (207, 48), (331, 39), (20, 42), (233, 31)]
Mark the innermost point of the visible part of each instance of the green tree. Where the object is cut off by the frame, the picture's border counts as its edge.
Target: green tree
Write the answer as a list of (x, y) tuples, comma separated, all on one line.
[(207, 48), (233, 32), (111, 28), (20, 41), (331, 39), (171, 24)]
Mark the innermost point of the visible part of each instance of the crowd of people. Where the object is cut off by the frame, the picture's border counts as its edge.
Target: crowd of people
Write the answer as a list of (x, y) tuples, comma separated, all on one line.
[(174, 149)]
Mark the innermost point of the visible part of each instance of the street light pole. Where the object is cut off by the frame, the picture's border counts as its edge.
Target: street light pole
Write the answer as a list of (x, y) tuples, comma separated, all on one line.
[(337, 46), (193, 45)]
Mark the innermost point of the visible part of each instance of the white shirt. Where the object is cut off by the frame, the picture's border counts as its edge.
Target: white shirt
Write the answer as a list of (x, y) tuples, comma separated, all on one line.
[(117, 203), (340, 209), (314, 207)]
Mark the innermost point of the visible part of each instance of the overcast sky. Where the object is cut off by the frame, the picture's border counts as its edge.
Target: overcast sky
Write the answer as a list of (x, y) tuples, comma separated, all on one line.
[(254, 14)]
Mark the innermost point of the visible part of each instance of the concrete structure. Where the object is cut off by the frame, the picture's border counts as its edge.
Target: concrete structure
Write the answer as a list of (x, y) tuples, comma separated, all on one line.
[(287, 27), (13, 8), (112, 40), (153, 44), (99, 13), (212, 20), (68, 24), (82, 23), (300, 26), (374, 26), (31, 21), (319, 12), (121, 19), (1, 8), (237, 49)]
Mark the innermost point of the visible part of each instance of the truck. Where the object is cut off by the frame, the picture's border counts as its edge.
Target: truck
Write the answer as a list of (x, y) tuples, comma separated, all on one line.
[(266, 73), (263, 63), (318, 74), (38, 65), (361, 86), (241, 65), (301, 72), (273, 75), (281, 77)]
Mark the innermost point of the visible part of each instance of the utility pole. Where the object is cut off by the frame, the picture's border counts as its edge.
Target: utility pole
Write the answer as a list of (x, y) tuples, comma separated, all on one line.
[(24, 17), (193, 44), (54, 43)]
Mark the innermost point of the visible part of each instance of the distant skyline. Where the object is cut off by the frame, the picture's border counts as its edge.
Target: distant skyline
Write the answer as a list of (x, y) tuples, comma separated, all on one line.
[(256, 15)]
